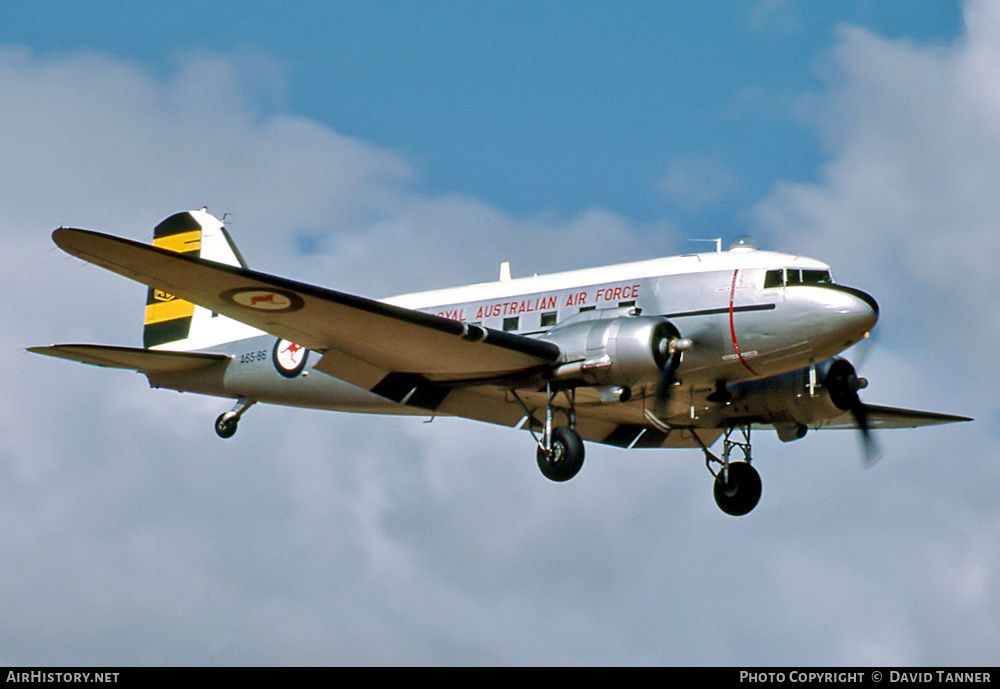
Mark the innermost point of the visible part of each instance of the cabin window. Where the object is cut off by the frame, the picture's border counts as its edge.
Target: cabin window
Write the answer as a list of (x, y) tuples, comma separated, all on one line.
[(510, 324), (549, 319), (773, 278), (587, 308), (625, 304)]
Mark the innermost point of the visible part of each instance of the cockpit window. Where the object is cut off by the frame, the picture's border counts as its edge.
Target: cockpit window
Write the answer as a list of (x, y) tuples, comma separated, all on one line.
[(816, 277), (796, 276)]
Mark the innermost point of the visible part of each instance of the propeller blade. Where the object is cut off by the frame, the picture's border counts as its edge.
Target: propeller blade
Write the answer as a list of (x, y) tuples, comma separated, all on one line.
[(872, 452), (667, 380), (670, 349), (843, 383)]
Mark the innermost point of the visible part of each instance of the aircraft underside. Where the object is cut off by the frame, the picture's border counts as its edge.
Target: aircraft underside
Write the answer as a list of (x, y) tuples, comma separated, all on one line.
[(561, 416)]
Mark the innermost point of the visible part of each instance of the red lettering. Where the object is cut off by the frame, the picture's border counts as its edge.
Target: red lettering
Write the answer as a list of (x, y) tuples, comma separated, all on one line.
[(454, 314)]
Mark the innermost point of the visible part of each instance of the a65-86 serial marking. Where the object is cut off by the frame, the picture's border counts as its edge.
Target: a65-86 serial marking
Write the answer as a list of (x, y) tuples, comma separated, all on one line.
[(253, 357), (289, 358)]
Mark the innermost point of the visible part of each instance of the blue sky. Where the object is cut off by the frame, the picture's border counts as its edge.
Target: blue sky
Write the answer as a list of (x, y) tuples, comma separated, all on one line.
[(527, 105), (381, 148)]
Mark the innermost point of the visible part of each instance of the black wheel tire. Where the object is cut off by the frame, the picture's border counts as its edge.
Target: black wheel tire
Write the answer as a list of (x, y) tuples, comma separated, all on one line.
[(741, 493), (565, 459), (226, 428)]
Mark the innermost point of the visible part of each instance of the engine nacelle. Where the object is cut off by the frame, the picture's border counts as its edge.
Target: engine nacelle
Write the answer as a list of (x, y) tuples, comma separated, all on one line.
[(796, 400), (624, 352)]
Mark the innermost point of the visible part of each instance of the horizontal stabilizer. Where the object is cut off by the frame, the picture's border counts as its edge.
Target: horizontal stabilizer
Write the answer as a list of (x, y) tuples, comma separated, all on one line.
[(142, 360)]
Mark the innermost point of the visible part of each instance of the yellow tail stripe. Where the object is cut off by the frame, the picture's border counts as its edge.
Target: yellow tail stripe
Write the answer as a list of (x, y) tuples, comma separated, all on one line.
[(168, 311), (180, 243)]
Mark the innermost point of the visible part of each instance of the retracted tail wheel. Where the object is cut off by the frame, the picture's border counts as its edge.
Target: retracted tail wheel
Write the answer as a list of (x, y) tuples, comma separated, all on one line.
[(565, 456), (226, 424), (741, 492)]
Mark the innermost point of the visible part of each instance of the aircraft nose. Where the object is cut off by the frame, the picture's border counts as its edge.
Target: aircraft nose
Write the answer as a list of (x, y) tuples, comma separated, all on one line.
[(858, 311)]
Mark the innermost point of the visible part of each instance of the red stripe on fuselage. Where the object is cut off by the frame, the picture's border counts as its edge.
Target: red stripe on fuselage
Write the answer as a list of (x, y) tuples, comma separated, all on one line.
[(732, 326)]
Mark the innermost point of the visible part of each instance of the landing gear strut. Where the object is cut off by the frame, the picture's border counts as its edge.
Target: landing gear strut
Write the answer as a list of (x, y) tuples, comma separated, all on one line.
[(560, 449), (226, 424), (737, 484)]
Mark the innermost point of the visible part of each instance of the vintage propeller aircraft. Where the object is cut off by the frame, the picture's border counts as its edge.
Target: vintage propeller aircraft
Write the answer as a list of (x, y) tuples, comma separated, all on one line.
[(666, 353)]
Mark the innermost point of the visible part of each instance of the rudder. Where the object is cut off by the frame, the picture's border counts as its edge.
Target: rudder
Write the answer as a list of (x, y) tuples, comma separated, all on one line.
[(176, 322)]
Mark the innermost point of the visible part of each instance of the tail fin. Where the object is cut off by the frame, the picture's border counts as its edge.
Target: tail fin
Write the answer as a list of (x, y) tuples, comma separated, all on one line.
[(177, 324)]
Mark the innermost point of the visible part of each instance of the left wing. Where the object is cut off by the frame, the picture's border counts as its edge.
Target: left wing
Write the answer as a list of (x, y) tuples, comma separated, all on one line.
[(393, 351)]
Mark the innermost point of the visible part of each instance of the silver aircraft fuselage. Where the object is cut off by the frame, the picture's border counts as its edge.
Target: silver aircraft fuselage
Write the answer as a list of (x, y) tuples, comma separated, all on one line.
[(752, 314)]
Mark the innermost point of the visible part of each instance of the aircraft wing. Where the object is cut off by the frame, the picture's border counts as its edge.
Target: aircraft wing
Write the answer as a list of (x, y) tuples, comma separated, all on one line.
[(396, 352), (142, 360), (892, 417)]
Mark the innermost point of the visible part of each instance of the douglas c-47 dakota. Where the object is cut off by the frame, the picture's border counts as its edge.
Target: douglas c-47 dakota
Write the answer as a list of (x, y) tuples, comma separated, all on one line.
[(666, 353)]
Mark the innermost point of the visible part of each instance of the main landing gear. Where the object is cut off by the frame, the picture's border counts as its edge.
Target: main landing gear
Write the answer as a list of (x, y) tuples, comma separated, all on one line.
[(226, 424), (737, 484), (564, 457), (560, 449)]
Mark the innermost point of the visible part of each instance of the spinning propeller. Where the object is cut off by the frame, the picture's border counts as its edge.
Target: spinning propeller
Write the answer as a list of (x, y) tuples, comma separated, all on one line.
[(669, 349), (843, 384)]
